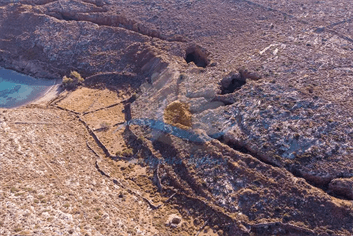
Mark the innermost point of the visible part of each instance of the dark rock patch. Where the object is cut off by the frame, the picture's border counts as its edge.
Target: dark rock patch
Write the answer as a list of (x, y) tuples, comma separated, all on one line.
[(232, 82), (197, 55), (342, 187)]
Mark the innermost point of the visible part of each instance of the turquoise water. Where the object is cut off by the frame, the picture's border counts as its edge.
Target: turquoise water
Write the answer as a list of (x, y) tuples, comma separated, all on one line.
[(17, 89)]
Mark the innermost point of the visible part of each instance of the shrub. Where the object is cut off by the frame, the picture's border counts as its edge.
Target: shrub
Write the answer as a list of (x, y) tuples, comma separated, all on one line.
[(76, 75), (104, 125), (128, 152), (73, 80)]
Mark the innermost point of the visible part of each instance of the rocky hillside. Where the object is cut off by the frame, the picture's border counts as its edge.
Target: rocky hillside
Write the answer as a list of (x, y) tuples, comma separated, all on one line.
[(194, 118)]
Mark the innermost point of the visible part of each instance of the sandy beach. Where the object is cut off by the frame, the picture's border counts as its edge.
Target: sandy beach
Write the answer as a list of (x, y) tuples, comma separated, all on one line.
[(48, 95)]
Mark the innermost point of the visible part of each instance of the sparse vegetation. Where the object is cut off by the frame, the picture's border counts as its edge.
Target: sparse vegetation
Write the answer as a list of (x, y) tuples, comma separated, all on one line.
[(126, 152), (14, 190), (104, 126)]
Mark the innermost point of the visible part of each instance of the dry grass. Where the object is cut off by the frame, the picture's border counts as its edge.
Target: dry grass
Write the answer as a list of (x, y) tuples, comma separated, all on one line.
[(178, 114)]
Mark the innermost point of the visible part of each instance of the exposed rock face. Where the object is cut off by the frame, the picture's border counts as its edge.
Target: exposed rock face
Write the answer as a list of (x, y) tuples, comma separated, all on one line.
[(343, 187), (260, 150), (51, 47)]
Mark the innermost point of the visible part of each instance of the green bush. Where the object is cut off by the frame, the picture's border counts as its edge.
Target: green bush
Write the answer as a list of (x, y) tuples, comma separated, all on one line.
[(127, 152), (72, 81)]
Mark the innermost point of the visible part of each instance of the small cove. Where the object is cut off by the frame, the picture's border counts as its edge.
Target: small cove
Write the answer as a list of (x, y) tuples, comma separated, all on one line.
[(17, 89)]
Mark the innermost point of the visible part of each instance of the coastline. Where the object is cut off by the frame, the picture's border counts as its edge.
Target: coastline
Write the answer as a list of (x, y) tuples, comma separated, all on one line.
[(46, 96), (51, 93)]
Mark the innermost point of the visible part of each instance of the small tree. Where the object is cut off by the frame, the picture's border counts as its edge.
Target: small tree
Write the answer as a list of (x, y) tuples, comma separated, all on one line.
[(77, 76), (73, 80)]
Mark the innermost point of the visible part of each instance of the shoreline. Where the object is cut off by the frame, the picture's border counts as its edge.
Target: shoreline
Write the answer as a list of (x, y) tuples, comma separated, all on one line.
[(51, 93), (42, 97)]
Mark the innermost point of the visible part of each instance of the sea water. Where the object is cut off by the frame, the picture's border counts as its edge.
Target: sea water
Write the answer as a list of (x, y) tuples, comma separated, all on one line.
[(17, 89)]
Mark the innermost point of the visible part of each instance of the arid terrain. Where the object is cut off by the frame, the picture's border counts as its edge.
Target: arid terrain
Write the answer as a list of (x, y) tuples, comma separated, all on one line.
[(213, 117)]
